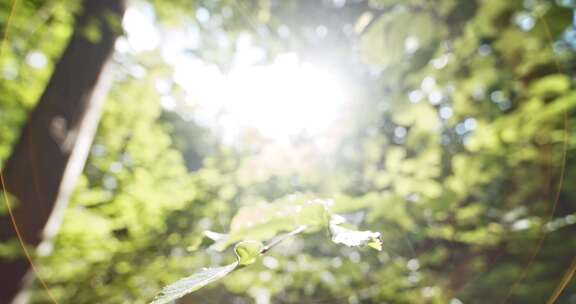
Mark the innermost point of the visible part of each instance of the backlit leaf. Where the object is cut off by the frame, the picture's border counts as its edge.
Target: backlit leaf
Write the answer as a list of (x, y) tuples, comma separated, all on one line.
[(192, 283), (248, 251), (264, 222), (355, 238)]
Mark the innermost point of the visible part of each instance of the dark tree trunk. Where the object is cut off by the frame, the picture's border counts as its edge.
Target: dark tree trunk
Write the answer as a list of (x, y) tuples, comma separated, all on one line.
[(50, 154)]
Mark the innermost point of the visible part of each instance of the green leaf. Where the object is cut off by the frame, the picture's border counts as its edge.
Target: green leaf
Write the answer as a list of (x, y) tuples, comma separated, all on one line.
[(264, 222), (248, 251), (215, 236), (354, 238), (375, 244), (192, 283)]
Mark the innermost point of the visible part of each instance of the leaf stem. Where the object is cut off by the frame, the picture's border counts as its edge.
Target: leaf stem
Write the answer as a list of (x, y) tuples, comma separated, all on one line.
[(276, 241)]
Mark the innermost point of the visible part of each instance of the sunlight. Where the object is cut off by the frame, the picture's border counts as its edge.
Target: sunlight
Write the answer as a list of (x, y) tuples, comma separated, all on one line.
[(280, 100)]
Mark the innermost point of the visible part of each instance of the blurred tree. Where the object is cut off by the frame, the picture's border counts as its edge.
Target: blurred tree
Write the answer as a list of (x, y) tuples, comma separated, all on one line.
[(49, 156)]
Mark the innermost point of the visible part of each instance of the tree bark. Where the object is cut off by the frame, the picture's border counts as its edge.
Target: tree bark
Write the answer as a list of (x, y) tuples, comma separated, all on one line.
[(50, 154)]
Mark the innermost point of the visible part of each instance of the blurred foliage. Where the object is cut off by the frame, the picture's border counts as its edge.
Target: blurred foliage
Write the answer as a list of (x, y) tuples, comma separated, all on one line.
[(454, 152)]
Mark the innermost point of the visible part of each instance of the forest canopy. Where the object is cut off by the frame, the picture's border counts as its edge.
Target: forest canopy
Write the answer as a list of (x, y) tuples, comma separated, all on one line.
[(288, 151)]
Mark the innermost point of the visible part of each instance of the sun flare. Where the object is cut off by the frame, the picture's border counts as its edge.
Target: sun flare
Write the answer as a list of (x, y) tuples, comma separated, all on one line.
[(280, 100)]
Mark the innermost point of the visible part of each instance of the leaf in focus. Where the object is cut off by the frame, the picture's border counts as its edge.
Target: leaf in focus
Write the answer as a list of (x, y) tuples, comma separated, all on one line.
[(376, 244), (248, 251), (215, 236), (355, 238), (192, 283), (264, 222)]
